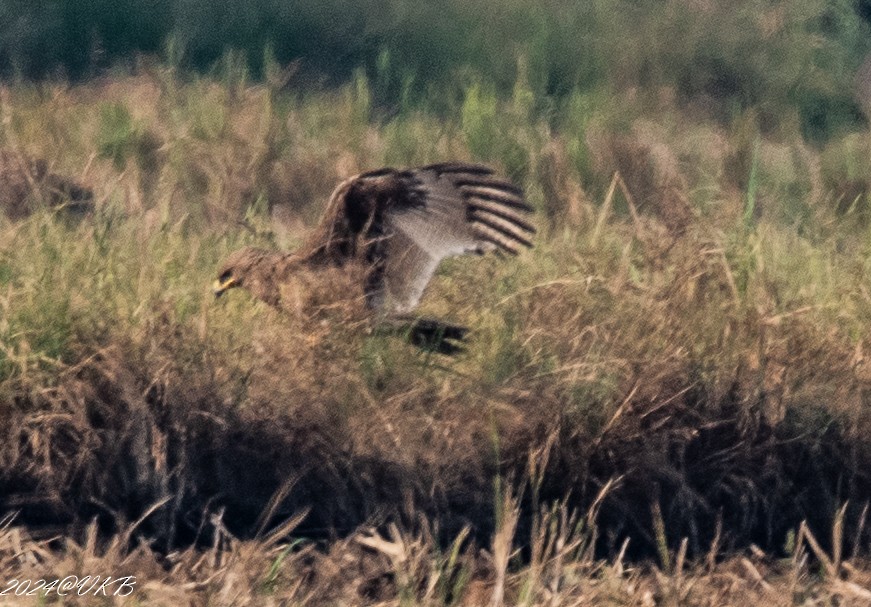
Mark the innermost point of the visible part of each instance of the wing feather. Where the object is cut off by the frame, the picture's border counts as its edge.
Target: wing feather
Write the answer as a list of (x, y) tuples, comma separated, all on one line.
[(488, 182), (457, 208), (506, 213), (497, 196), (497, 238), (513, 232), (408, 268), (458, 167), (404, 222)]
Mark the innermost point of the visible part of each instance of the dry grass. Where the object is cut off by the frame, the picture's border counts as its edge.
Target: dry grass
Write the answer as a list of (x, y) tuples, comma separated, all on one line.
[(401, 568), (682, 358)]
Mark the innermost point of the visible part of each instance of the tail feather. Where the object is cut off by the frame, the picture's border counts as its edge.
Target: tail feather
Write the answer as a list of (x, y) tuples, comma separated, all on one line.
[(428, 334)]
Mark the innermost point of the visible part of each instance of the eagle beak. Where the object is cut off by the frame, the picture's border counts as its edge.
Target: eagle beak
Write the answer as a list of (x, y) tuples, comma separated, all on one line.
[(219, 287)]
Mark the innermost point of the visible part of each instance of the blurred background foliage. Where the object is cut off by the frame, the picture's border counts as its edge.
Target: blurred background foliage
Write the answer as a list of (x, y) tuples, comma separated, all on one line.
[(787, 59)]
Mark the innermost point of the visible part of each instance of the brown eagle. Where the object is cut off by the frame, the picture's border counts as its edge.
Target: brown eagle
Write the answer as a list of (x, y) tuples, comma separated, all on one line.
[(24, 181), (387, 230)]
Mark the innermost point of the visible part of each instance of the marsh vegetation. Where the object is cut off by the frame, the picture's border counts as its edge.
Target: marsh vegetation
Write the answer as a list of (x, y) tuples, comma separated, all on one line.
[(665, 401)]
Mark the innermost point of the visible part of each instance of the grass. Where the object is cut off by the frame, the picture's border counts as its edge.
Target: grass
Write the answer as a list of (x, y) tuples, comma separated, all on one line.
[(400, 568), (679, 364), (791, 61)]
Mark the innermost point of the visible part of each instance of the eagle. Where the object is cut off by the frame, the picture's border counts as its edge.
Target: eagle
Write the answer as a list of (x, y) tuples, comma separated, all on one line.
[(24, 180), (387, 230)]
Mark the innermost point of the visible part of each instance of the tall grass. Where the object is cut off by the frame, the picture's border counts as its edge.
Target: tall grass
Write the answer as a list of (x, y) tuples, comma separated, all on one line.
[(402, 567), (679, 336), (794, 60)]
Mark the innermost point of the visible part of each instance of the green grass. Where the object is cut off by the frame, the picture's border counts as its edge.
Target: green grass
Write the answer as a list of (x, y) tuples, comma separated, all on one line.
[(793, 61), (681, 328)]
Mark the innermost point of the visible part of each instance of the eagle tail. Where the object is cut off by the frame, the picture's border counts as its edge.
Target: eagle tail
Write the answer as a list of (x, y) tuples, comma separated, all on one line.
[(430, 334)]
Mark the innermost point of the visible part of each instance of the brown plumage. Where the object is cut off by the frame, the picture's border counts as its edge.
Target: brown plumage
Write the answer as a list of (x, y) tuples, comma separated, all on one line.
[(387, 230), (24, 182)]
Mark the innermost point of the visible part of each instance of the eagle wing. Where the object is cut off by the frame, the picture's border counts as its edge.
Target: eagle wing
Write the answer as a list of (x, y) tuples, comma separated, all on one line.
[(404, 222)]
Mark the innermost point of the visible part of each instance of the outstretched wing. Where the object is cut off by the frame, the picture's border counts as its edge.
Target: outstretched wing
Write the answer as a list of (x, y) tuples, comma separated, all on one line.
[(404, 222), (443, 210)]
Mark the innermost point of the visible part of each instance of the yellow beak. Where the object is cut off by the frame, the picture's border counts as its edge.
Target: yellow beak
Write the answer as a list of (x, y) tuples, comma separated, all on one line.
[(219, 287)]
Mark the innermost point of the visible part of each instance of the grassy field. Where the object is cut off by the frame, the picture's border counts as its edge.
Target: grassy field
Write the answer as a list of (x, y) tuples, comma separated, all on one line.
[(664, 402)]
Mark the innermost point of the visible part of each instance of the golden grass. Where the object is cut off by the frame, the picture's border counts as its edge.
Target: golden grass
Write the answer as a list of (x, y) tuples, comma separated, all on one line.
[(681, 357), (401, 568)]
